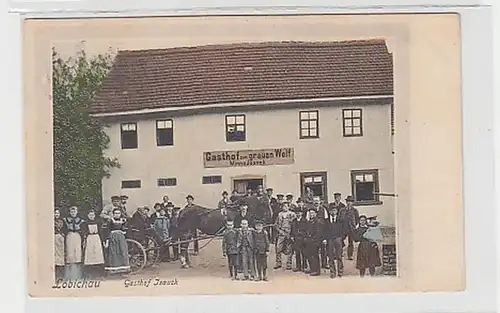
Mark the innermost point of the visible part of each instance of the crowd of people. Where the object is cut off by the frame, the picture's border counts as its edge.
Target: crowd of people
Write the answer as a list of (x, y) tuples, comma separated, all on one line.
[(307, 230), (312, 232), (91, 247)]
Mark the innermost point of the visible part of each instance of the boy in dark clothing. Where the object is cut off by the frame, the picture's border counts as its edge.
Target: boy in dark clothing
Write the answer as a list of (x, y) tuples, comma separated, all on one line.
[(261, 241), (230, 249), (298, 236)]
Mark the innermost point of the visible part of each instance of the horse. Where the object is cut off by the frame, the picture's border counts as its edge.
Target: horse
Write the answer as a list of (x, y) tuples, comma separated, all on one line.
[(209, 221)]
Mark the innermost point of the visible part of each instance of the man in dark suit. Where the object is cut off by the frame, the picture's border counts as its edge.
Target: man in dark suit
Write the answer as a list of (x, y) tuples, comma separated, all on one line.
[(314, 234), (350, 215), (334, 231)]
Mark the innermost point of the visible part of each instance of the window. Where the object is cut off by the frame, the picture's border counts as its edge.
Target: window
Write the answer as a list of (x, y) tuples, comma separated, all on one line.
[(309, 121), (235, 128), (164, 133), (317, 182), (165, 182), (129, 135), (126, 184), (365, 186), (353, 122), (211, 180)]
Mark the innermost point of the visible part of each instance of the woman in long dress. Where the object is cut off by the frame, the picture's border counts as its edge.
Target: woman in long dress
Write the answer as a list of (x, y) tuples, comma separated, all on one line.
[(118, 261), (58, 244), (93, 256), (368, 256), (73, 225)]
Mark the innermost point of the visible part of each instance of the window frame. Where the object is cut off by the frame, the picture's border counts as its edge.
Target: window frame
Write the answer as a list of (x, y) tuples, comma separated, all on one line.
[(308, 120), (131, 181), (227, 125), (122, 132), (158, 129), (376, 180), (204, 182), (324, 178), (166, 179), (351, 118)]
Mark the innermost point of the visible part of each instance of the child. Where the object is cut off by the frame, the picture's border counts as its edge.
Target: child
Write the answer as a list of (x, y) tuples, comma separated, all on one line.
[(118, 262), (172, 231), (261, 239), (247, 246), (230, 249), (94, 256), (161, 226), (58, 244), (73, 225)]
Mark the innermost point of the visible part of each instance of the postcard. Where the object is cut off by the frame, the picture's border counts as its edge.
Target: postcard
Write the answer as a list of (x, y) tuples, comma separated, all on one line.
[(243, 154)]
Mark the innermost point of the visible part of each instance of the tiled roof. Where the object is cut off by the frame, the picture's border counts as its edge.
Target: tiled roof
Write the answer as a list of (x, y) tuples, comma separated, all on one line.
[(186, 76)]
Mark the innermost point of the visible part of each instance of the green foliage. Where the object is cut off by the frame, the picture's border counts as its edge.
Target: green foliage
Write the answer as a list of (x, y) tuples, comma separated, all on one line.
[(79, 140)]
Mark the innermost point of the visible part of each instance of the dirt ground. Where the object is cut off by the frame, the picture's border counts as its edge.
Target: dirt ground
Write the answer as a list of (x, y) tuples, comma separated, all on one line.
[(210, 263)]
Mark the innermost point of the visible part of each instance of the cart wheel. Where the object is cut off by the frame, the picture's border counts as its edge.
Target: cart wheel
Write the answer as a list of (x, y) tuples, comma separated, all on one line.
[(152, 251), (136, 255)]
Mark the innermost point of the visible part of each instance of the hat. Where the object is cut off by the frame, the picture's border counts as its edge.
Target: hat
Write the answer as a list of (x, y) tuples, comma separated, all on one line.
[(224, 193), (337, 194), (349, 199), (269, 189), (157, 204), (311, 208), (299, 200), (123, 197), (177, 207), (114, 198), (190, 197), (289, 195), (259, 222), (169, 205), (280, 196)]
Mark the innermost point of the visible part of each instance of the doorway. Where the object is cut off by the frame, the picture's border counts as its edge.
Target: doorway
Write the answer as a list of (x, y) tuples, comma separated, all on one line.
[(317, 182), (241, 185)]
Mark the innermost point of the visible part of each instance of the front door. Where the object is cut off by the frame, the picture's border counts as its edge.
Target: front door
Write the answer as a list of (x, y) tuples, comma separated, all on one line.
[(317, 182), (242, 185)]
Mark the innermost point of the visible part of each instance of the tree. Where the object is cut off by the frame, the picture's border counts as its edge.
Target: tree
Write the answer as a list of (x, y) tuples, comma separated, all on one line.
[(79, 140)]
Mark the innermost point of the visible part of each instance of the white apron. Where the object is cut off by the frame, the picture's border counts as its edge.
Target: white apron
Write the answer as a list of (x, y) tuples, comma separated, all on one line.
[(73, 248), (93, 247), (58, 249)]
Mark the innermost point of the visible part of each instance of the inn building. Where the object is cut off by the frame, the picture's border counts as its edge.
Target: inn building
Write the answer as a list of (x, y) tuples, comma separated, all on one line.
[(287, 115)]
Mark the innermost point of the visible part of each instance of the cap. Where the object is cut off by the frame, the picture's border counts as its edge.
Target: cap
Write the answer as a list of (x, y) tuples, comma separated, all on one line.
[(177, 207), (337, 194), (269, 189), (190, 197), (349, 199), (311, 209), (259, 222), (280, 196), (169, 205), (224, 193), (289, 195), (123, 197), (114, 198)]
